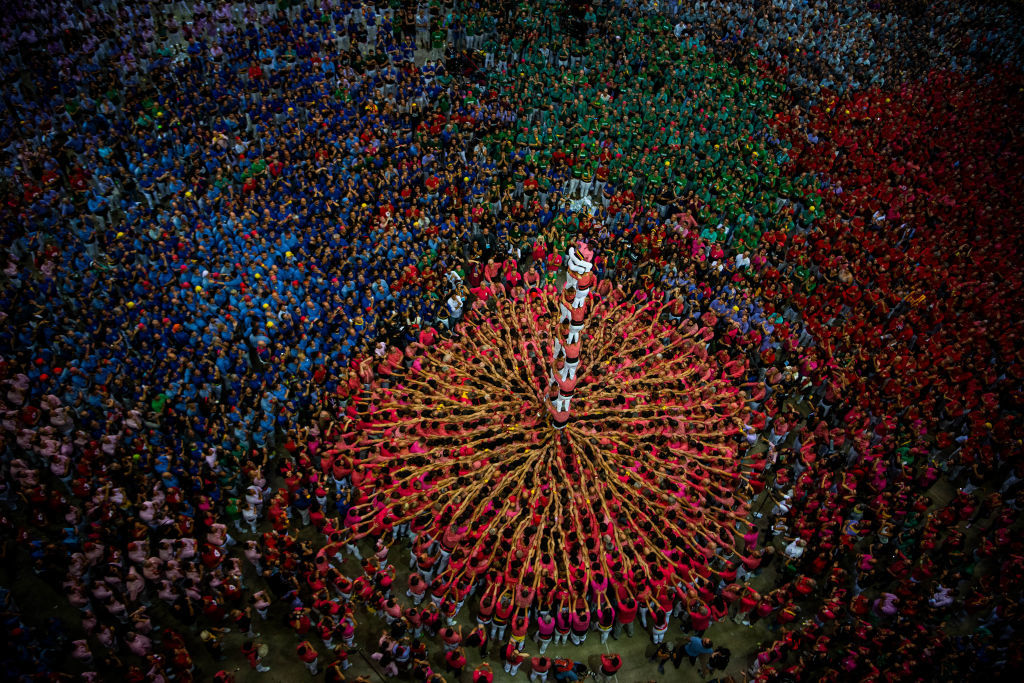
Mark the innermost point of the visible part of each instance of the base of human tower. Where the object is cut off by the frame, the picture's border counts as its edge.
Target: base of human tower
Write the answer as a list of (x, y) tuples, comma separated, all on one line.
[(572, 417)]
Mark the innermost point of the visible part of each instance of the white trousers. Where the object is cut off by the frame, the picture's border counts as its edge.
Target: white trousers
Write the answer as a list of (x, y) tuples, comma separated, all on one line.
[(568, 371), (566, 313)]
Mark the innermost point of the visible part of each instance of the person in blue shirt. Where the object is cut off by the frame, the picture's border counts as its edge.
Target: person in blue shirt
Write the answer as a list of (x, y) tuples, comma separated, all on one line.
[(699, 648)]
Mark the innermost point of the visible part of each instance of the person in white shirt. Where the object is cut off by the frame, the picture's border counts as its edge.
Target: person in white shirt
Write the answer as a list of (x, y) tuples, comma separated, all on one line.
[(455, 306), (795, 549)]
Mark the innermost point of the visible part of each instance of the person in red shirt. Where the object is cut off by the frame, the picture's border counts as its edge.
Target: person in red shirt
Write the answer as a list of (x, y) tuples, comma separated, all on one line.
[(700, 615), (334, 673), (502, 613), (309, 656), (455, 661), (625, 615), (540, 250), (520, 622), (610, 665), (417, 588), (539, 668), (483, 674), (554, 263), (451, 637), (514, 657), (749, 599), (477, 638), (254, 652)]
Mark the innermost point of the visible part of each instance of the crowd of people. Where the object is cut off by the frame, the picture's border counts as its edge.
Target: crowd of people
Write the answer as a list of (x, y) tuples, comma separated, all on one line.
[(226, 228), (827, 47), (913, 290)]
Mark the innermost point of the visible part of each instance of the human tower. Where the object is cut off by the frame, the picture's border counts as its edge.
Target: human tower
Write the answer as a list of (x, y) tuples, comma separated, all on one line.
[(471, 448)]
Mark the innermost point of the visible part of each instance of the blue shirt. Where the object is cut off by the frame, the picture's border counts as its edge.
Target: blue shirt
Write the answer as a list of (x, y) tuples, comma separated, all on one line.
[(695, 647)]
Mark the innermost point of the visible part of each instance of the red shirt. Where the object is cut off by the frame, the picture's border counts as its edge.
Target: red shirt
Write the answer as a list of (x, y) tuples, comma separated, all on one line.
[(610, 664), (306, 652), (698, 621), (512, 655), (455, 659), (626, 614)]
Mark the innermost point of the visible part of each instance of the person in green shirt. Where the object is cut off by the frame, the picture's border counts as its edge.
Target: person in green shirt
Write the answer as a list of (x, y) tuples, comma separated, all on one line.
[(158, 403), (544, 188), (522, 139), (438, 40)]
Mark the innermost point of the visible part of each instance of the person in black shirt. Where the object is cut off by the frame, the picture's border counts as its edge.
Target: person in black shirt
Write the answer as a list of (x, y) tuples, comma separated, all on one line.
[(486, 244), (477, 638), (661, 655), (409, 24), (719, 659)]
